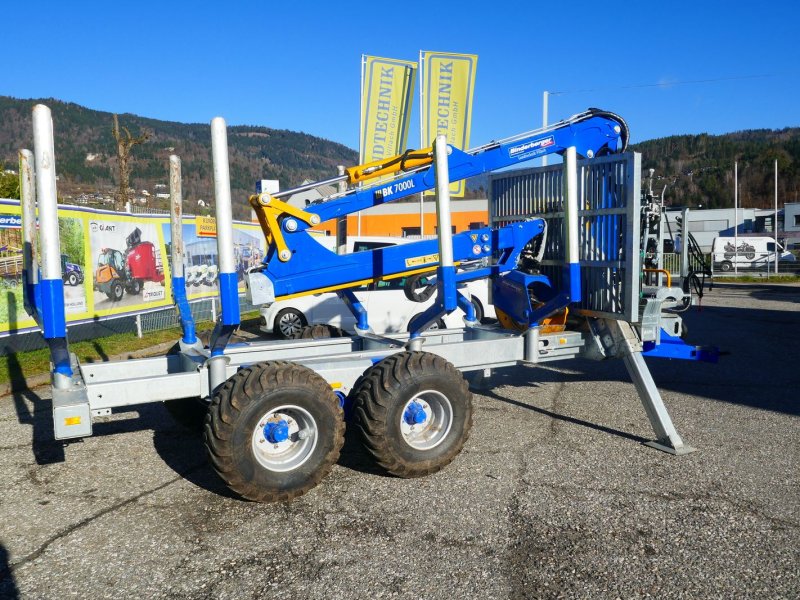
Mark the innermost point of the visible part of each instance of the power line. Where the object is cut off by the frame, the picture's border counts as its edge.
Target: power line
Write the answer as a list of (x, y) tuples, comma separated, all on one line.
[(665, 84)]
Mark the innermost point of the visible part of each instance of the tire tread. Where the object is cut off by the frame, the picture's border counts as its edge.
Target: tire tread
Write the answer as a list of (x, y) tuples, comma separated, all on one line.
[(235, 396)]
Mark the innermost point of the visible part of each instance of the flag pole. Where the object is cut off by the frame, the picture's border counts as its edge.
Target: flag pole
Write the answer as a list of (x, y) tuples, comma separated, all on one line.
[(361, 148)]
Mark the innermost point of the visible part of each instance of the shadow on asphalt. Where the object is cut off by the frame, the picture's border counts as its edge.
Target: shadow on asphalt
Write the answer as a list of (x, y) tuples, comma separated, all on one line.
[(760, 368), (8, 585), (504, 379), (47, 449), (774, 292), (178, 440)]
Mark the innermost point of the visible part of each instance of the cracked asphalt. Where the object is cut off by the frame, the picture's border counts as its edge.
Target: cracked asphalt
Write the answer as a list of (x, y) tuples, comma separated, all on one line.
[(554, 496)]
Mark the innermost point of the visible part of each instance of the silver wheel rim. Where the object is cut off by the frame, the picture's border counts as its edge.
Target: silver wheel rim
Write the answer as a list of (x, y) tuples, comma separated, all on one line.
[(294, 451), (290, 324), (438, 420)]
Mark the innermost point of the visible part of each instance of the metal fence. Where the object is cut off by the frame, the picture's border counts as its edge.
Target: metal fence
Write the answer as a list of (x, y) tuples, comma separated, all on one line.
[(147, 210), (206, 309), (760, 265)]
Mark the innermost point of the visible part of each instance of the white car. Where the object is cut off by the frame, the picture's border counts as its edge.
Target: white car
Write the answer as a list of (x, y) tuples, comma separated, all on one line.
[(387, 306)]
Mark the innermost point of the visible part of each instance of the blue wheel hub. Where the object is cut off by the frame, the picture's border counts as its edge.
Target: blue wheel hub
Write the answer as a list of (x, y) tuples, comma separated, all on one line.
[(276, 432), (414, 414)]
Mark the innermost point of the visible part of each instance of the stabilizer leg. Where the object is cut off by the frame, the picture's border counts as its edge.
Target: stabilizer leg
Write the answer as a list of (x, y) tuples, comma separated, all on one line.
[(619, 338), (667, 438)]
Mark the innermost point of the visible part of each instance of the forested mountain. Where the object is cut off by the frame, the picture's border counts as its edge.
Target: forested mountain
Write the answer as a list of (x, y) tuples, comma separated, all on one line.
[(699, 169), (86, 153)]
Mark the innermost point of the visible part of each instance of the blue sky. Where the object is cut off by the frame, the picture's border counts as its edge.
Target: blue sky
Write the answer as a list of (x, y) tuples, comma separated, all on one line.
[(296, 65)]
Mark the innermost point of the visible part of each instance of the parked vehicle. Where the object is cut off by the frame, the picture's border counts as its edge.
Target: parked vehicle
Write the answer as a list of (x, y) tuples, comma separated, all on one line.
[(389, 309), (751, 253), (71, 273)]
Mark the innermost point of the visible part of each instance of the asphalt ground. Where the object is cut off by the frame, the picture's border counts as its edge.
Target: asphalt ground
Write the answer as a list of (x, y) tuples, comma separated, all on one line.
[(553, 496)]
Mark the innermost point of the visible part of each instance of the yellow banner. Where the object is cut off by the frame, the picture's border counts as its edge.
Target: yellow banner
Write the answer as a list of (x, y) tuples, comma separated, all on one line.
[(448, 85), (387, 91)]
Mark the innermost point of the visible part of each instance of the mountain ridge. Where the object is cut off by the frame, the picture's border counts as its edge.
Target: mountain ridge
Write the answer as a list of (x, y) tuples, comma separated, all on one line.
[(697, 168), (86, 153)]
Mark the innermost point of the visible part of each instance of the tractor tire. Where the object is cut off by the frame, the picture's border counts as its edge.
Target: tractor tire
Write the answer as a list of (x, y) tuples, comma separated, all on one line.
[(318, 332), (134, 287), (256, 462), (414, 413), (72, 279), (412, 291), (116, 291)]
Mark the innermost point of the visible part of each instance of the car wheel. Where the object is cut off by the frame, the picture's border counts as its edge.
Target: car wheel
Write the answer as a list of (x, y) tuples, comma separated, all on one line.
[(289, 323), (726, 266)]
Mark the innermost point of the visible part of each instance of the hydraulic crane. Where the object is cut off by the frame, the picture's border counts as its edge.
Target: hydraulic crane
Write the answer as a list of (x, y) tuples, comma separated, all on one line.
[(295, 264)]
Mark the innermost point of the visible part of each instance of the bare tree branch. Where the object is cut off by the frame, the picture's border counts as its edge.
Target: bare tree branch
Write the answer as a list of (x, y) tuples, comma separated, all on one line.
[(124, 145)]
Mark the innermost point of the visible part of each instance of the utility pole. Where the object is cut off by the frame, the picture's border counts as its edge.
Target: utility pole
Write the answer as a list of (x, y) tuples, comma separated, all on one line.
[(775, 219), (736, 217)]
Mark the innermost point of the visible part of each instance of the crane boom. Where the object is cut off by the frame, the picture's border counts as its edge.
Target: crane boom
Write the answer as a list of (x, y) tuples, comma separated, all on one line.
[(296, 265)]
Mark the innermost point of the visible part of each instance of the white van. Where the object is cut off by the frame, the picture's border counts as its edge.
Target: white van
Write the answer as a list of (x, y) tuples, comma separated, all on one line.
[(752, 253)]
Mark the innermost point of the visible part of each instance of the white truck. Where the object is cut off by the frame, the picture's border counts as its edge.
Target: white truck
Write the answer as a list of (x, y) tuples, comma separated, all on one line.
[(751, 253)]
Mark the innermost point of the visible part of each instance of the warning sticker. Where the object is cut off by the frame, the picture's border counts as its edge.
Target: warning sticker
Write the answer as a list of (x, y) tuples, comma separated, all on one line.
[(422, 260)]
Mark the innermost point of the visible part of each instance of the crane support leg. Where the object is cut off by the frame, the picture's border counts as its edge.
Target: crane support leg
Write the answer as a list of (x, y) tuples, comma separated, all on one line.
[(667, 438), (618, 339)]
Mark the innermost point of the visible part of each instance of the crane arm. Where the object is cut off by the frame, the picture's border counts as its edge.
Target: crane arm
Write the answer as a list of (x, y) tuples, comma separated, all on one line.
[(295, 264)]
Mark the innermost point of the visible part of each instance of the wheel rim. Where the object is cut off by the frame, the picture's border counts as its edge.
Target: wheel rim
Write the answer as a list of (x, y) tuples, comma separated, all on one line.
[(426, 420), (284, 438), (290, 324)]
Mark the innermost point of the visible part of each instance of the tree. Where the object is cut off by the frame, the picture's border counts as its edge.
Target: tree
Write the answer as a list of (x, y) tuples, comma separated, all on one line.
[(124, 145), (70, 232), (9, 185)]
